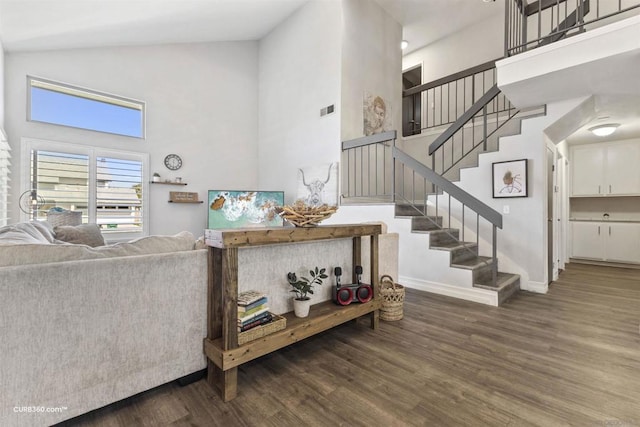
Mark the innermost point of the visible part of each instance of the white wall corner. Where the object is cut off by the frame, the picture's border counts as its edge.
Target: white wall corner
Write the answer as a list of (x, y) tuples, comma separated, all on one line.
[(537, 287), (481, 296)]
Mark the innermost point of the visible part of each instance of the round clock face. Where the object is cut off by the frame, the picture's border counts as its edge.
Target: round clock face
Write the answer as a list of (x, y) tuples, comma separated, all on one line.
[(173, 162)]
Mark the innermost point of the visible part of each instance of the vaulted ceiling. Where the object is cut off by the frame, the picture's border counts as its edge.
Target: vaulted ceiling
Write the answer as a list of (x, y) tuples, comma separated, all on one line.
[(28, 25)]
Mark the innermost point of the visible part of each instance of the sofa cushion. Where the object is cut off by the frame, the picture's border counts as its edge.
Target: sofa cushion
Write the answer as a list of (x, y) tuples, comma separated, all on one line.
[(26, 232), (24, 254), (83, 234)]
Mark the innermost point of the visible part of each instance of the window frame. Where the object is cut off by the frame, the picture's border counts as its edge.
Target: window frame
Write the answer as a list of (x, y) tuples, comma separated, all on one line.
[(5, 157), (91, 94), (94, 153)]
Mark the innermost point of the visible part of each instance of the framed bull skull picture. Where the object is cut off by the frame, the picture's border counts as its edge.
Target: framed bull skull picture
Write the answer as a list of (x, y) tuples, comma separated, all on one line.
[(318, 185)]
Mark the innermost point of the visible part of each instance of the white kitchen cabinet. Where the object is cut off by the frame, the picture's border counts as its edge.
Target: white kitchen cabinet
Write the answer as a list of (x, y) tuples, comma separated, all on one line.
[(622, 173), (622, 242), (587, 240), (606, 169), (606, 241), (587, 170)]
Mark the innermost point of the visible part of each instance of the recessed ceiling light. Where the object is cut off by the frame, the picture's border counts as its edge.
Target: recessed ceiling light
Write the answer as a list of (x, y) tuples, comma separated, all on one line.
[(404, 44), (604, 130)]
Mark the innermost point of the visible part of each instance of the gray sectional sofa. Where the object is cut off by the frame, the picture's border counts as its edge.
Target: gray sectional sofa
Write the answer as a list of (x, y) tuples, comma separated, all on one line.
[(83, 327)]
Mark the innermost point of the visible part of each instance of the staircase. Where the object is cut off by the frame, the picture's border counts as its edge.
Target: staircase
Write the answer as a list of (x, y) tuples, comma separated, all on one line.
[(466, 117), (462, 255)]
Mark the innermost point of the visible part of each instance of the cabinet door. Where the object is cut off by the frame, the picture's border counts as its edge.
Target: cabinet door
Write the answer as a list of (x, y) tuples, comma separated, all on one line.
[(587, 170), (623, 242), (587, 240), (622, 171)]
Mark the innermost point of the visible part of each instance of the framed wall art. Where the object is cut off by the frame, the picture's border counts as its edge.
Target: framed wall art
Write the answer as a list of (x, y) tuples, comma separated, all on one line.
[(240, 209), (510, 179)]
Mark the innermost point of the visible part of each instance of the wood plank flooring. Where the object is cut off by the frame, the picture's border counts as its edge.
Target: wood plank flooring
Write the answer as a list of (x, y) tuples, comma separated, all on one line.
[(571, 357)]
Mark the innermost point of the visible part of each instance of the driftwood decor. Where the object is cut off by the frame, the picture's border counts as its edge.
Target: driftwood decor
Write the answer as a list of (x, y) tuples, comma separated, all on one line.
[(302, 215)]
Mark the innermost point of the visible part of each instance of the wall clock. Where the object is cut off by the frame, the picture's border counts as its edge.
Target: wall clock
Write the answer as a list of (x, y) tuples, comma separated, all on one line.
[(173, 162)]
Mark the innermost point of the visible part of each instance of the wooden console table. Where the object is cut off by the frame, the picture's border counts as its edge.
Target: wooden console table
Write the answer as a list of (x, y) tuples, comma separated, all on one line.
[(224, 355)]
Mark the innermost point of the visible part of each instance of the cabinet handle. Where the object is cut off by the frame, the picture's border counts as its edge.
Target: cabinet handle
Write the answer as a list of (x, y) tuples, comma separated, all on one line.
[(609, 230), (598, 189), (609, 188), (598, 230)]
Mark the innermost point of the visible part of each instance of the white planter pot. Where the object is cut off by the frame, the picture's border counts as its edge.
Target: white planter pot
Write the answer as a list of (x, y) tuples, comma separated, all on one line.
[(301, 307)]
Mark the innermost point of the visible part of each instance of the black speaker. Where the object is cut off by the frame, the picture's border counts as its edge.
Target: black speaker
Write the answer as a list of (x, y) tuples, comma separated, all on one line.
[(351, 293)]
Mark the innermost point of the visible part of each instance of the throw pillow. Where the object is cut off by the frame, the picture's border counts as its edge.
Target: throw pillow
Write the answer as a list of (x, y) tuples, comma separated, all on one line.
[(84, 234)]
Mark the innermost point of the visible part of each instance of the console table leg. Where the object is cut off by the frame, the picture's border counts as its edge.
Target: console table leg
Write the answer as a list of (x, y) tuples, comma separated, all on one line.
[(226, 382), (374, 317)]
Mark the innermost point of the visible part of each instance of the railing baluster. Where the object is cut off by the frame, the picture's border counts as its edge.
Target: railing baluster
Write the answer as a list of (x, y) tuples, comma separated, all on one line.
[(494, 256), (478, 232), (413, 187), (449, 209), (462, 228)]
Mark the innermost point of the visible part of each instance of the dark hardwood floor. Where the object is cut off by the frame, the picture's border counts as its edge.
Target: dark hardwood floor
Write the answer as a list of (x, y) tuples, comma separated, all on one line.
[(571, 357)]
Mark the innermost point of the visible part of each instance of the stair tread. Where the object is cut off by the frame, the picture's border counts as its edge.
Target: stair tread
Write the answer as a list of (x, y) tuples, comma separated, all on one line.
[(451, 231), (472, 263), (504, 280), (450, 246)]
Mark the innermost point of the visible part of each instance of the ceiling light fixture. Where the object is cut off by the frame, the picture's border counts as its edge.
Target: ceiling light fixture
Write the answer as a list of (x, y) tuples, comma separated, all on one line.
[(604, 130), (404, 44)]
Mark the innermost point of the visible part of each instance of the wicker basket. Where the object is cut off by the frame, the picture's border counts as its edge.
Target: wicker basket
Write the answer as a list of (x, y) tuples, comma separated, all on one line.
[(278, 323), (56, 218), (392, 299)]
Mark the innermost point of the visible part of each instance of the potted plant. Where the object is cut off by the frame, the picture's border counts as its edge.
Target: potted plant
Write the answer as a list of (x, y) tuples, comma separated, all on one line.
[(156, 177), (304, 286)]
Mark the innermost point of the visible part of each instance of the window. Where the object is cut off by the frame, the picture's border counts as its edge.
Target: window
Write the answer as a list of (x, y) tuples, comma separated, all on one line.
[(5, 155), (108, 187), (62, 104)]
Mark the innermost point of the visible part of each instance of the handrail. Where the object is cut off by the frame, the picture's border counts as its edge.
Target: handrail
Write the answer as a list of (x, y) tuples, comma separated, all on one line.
[(468, 115), (451, 78), (485, 211), (368, 140), (539, 6)]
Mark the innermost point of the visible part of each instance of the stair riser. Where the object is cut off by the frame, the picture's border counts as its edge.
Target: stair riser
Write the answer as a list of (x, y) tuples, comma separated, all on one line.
[(508, 292), (483, 273), (408, 210), (463, 254), (443, 237), (422, 223)]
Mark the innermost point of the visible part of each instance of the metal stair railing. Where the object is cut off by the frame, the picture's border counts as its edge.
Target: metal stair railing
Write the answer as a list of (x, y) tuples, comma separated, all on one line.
[(534, 24), (471, 131), (427, 191), (448, 98), (396, 170)]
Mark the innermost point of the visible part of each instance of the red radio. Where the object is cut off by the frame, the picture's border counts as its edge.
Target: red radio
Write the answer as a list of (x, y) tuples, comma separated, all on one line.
[(353, 292)]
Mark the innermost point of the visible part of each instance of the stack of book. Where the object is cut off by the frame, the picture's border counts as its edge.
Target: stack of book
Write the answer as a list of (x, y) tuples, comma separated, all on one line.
[(252, 310)]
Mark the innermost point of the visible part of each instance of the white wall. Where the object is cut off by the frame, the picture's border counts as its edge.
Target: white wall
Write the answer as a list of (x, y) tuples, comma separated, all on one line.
[(371, 63), (299, 65), (202, 102), (2, 100), (472, 46)]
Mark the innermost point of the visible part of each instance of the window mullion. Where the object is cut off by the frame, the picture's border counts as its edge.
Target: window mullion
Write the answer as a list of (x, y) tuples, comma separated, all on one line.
[(93, 188)]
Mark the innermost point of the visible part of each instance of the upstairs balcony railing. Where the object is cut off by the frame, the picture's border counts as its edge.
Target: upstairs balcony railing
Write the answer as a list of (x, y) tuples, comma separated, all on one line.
[(446, 99), (531, 24)]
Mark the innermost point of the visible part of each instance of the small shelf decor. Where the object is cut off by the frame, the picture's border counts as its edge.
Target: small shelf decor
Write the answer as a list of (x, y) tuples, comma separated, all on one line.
[(169, 182), (304, 286), (302, 215), (183, 197)]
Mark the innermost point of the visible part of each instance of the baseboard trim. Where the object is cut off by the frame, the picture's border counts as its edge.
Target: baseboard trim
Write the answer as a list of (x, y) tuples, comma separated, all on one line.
[(537, 287), (481, 296)]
